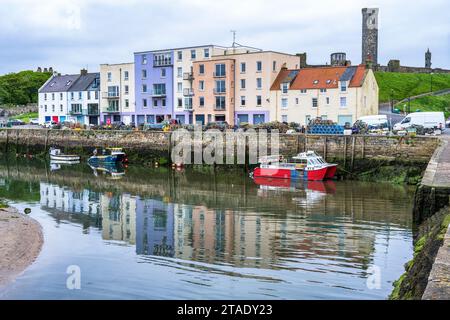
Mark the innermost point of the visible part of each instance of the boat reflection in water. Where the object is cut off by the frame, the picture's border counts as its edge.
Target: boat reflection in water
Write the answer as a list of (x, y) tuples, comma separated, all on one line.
[(110, 170), (57, 165)]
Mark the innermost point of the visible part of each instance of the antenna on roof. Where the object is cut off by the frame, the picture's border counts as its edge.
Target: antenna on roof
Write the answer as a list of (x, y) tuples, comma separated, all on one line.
[(234, 38)]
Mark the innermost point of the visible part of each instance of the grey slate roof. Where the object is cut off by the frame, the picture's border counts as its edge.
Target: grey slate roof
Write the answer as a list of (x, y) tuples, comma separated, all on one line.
[(84, 82), (348, 74), (60, 83)]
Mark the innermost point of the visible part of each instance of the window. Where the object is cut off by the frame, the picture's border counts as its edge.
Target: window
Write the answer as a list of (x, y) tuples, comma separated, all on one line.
[(163, 102), (220, 103), (53, 108), (258, 66), (284, 103), (258, 118), (220, 70), (163, 72), (180, 55), (96, 94), (242, 84), (125, 75), (144, 88), (201, 85), (303, 91), (126, 89), (179, 72), (144, 59), (45, 108), (109, 76), (243, 67), (144, 74), (80, 95), (258, 101), (206, 53), (61, 107), (60, 96), (155, 103), (162, 59), (314, 102), (193, 54), (201, 69), (53, 96), (179, 86), (284, 87), (159, 89), (45, 96), (296, 100), (274, 66), (180, 102), (327, 100), (127, 103), (243, 101), (144, 103), (258, 83), (323, 90), (343, 101), (89, 95), (284, 118), (201, 101), (113, 91), (220, 86), (343, 86), (72, 96)]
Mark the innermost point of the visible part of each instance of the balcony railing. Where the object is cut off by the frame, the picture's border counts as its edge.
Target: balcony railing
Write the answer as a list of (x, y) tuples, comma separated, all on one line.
[(188, 76), (157, 93), (110, 95), (188, 107), (220, 91), (112, 109), (188, 92), (219, 74), (93, 111), (162, 62), (75, 111)]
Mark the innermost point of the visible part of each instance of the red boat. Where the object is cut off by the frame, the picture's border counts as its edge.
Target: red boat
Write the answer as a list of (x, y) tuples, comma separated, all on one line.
[(306, 165)]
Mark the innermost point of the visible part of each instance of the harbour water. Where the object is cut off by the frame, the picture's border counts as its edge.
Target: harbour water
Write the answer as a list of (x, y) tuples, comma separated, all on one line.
[(158, 233)]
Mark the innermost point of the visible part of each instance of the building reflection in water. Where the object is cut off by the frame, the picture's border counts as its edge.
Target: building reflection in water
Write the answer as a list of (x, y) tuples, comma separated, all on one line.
[(245, 237)]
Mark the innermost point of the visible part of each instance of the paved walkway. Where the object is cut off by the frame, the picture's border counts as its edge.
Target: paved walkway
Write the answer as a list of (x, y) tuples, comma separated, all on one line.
[(437, 173)]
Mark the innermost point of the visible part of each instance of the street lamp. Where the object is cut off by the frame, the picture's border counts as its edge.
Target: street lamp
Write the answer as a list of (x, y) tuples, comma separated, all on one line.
[(431, 81)]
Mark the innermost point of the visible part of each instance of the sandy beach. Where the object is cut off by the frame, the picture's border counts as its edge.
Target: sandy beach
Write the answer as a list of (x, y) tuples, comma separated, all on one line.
[(20, 243)]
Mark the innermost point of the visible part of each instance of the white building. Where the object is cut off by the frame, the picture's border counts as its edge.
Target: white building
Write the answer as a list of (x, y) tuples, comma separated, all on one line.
[(70, 98)]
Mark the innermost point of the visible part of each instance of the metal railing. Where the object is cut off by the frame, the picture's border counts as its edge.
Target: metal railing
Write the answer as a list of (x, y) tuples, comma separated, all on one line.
[(220, 91), (188, 76), (110, 95), (219, 74), (188, 92)]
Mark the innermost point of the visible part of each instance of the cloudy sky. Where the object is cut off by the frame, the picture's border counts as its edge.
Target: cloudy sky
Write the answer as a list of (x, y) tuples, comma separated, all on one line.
[(72, 34)]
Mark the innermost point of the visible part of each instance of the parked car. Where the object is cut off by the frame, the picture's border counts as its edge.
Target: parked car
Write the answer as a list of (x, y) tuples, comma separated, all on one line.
[(429, 120), (447, 123), (34, 121), (15, 122), (49, 124), (367, 124)]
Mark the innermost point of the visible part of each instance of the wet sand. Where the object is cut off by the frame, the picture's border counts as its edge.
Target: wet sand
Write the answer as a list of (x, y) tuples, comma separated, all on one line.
[(20, 243)]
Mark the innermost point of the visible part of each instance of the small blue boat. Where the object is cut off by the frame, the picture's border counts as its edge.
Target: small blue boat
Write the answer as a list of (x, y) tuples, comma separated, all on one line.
[(111, 156)]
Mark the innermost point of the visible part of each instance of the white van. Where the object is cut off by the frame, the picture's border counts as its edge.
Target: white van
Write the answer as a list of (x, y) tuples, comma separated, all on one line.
[(425, 119), (374, 122)]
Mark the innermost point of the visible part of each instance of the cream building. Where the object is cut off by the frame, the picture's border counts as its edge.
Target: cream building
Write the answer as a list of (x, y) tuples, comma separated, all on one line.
[(117, 87), (341, 94)]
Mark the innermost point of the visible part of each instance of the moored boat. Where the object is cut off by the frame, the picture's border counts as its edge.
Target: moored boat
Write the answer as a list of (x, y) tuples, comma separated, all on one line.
[(306, 165), (110, 155), (57, 155)]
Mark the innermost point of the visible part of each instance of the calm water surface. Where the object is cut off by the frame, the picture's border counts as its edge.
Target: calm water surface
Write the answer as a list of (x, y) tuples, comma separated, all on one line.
[(162, 234)]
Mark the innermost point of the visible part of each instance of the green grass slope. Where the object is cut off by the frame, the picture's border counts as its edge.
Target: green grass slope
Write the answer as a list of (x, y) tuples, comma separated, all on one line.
[(405, 85), (429, 103)]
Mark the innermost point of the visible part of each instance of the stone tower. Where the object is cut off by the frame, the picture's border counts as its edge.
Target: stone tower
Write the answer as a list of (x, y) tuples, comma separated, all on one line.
[(370, 35), (428, 59)]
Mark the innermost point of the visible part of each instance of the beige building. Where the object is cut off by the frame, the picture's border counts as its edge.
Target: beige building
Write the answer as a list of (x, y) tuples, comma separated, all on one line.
[(244, 78), (341, 94), (117, 101)]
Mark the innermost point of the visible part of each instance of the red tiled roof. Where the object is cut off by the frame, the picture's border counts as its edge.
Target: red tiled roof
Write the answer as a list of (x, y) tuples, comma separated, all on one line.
[(320, 78)]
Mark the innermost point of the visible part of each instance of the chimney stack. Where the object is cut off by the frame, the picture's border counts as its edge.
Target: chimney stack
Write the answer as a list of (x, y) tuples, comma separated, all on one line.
[(83, 72)]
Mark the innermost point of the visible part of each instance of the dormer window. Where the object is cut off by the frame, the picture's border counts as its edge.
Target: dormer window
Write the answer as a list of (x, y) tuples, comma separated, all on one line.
[(68, 83), (52, 84), (343, 86), (315, 81)]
